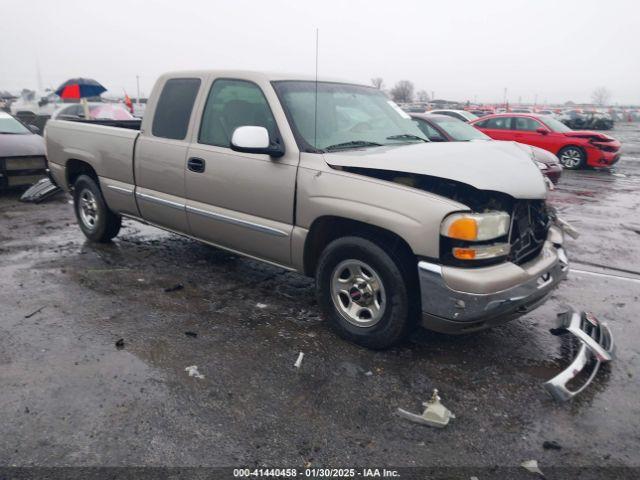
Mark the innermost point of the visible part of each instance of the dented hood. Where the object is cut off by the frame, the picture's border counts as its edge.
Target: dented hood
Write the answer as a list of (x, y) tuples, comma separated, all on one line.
[(497, 166)]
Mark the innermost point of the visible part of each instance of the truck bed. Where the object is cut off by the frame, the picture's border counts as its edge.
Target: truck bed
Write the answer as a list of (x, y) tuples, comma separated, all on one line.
[(108, 148)]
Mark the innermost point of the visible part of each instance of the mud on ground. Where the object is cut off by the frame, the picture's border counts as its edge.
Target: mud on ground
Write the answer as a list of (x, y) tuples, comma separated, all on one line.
[(70, 397)]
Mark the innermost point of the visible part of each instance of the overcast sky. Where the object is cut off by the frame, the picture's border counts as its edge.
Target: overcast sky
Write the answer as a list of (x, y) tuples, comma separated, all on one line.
[(560, 50)]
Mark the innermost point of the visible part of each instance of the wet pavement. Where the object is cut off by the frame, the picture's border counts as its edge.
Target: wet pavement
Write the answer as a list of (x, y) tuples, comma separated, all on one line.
[(69, 396)]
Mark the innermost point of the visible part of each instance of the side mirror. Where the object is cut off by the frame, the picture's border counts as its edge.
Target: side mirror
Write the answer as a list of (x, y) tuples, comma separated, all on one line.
[(33, 129), (252, 139), (542, 131)]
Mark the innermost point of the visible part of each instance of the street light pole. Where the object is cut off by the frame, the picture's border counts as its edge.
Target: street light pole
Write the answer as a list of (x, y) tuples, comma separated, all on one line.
[(138, 86)]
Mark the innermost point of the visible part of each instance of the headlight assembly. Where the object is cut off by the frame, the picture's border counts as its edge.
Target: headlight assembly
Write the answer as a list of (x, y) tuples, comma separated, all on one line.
[(476, 227)]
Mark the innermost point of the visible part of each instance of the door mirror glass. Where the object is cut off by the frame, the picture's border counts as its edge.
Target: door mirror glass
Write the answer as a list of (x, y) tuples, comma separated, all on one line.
[(254, 139)]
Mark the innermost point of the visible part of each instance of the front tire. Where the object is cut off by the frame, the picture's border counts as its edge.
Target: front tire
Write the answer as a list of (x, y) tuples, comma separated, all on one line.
[(365, 293), (572, 157), (97, 222)]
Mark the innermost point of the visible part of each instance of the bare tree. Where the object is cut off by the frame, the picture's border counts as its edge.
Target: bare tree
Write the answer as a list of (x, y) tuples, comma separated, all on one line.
[(601, 96), (402, 92), (423, 96), (377, 82)]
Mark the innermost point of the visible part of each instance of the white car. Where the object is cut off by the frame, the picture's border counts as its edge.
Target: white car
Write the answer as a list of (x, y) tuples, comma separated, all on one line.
[(459, 114)]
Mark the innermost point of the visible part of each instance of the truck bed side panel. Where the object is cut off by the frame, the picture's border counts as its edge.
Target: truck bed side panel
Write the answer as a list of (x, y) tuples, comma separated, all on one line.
[(109, 151)]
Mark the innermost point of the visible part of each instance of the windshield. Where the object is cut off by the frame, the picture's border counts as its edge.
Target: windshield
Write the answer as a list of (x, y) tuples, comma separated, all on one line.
[(458, 130), (555, 125), (10, 125), (348, 116)]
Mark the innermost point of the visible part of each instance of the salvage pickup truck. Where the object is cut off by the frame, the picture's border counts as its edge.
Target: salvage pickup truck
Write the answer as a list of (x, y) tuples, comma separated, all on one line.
[(332, 180)]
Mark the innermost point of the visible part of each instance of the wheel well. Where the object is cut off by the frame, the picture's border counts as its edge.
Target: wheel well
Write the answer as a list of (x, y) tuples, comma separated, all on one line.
[(75, 168), (326, 229)]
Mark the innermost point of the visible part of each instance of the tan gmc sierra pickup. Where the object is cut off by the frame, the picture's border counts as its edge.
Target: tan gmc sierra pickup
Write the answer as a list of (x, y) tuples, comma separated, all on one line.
[(330, 179)]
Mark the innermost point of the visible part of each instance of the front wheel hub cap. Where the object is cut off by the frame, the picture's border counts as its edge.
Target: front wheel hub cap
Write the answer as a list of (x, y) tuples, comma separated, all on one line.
[(358, 293)]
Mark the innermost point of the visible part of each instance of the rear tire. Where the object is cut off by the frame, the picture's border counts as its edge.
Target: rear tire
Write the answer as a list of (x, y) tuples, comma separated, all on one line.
[(365, 292), (97, 222), (572, 157)]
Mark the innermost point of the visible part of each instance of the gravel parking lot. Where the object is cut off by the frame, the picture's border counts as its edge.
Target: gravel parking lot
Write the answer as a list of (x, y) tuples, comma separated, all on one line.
[(71, 397)]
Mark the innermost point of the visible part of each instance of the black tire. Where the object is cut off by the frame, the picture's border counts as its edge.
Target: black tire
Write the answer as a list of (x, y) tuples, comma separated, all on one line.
[(571, 154), (401, 303), (106, 224)]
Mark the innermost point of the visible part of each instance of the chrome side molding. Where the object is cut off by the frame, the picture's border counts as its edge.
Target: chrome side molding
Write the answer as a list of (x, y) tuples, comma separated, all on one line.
[(596, 347), (237, 221)]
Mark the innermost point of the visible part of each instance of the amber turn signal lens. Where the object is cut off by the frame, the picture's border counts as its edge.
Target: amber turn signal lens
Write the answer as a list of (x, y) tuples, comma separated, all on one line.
[(464, 228), (464, 253)]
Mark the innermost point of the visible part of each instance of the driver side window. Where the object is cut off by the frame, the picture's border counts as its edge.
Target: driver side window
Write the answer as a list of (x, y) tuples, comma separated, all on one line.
[(232, 104)]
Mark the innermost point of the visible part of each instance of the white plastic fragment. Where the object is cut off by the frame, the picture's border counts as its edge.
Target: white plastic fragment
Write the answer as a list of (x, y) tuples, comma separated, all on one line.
[(193, 372), (299, 360), (434, 415), (261, 305), (532, 466)]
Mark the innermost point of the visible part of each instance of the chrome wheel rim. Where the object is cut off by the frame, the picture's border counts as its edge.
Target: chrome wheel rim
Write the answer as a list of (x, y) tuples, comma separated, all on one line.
[(358, 293), (571, 157), (88, 209)]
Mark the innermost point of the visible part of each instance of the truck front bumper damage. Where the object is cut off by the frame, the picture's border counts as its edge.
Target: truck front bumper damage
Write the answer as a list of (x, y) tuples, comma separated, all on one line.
[(458, 300), (596, 346)]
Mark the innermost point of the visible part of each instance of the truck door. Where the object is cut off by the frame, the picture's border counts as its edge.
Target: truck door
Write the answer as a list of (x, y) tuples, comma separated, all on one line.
[(161, 152), (241, 201)]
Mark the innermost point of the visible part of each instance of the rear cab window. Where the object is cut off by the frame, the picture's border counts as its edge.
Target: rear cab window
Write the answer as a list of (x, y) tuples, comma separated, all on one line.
[(173, 111)]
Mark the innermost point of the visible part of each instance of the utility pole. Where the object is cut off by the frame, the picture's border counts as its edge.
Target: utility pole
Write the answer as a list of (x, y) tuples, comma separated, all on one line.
[(505, 97), (138, 86)]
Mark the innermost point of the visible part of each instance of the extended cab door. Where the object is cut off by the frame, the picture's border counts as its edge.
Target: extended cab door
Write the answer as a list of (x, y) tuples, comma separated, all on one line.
[(161, 152), (241, 201)]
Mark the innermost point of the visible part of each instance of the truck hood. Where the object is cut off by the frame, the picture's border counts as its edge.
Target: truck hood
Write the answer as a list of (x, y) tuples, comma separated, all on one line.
[(497, 166), (12, 145)]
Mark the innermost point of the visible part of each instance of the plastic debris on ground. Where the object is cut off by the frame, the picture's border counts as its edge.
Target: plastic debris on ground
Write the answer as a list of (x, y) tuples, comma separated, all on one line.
[(299, 360), (40, 191), (261, 305), (191, 334), (29, 315), (434, 415), (532, 466), (551, 445), (193, 372), (120, 343), (175, 288)]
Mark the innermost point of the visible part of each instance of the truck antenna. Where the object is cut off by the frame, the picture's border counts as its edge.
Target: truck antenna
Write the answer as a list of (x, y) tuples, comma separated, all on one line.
[(315, 119)]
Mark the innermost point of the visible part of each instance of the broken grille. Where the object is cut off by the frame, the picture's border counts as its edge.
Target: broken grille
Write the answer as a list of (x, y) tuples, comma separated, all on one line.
[(529, 227)]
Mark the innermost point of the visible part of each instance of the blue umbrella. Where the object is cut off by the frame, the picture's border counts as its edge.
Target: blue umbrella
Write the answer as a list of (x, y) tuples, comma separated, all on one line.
[(80, 88)]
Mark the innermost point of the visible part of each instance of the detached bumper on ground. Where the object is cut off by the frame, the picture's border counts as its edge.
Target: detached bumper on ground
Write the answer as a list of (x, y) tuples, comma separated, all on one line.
[(458, 300)]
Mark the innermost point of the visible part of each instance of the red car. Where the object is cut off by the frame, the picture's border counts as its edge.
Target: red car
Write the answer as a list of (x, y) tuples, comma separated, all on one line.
[(575, 148)]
